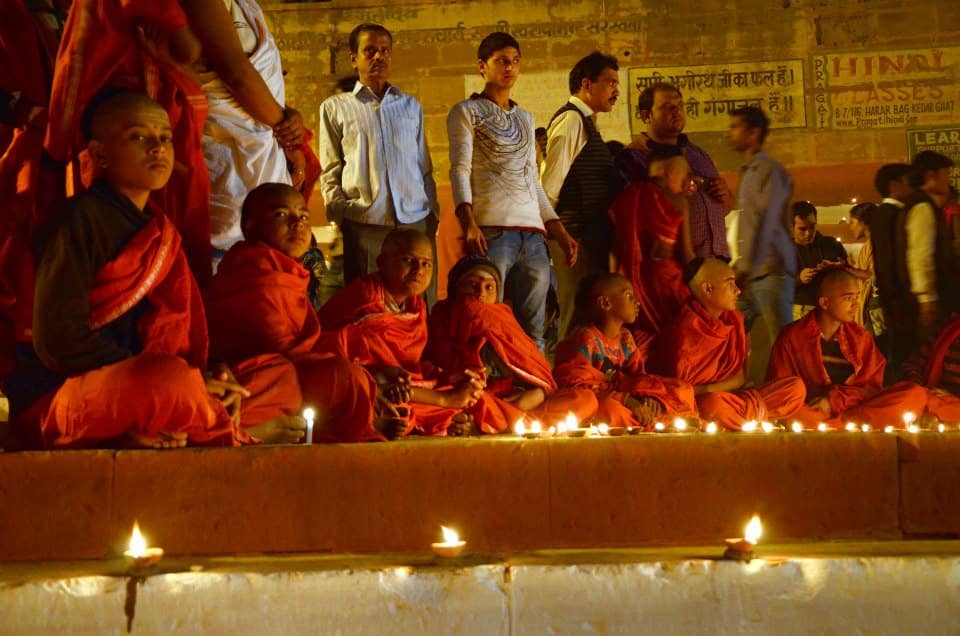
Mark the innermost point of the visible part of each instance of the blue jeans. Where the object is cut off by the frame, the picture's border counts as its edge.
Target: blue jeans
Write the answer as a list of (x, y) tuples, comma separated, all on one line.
[(524, 265), (770, 298)]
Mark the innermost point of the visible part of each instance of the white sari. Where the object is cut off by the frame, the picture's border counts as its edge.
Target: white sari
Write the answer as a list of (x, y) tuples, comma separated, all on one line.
[(240, 152)]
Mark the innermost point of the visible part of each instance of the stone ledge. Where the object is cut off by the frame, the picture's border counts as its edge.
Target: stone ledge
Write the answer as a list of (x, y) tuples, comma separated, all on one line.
[(505, 495)]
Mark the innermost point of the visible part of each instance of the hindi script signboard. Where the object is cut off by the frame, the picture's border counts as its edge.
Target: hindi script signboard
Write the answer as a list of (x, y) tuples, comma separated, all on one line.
[(711, 91), (887, 89)]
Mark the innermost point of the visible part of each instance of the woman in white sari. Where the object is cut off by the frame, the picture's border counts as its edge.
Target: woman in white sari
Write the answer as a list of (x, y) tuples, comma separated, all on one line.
[(251, 136)]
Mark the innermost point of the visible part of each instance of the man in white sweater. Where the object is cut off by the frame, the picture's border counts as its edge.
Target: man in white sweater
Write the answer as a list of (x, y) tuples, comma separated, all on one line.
[(500, 204)]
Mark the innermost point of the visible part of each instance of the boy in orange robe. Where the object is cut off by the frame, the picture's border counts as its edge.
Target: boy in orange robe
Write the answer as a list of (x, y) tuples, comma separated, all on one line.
[(707, 347), (380, 321), (119, 323), (470, 330), (603, 358), (842, 368), (257, 304)]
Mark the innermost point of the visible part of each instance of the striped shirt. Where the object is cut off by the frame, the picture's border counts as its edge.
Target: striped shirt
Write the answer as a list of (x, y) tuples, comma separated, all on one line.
[(493, 165), (376, 164)]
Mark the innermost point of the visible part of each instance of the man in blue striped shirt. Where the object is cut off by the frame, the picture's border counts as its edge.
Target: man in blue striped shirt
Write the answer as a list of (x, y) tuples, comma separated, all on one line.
[(377, 174)]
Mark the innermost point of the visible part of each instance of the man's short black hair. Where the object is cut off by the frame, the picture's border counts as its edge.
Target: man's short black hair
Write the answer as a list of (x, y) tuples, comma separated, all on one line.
[(494, 42), (863, 212), (366, 26), (590, 68), (647, 95), (803, 209), (924, 162), (754, 118), (888, 174)]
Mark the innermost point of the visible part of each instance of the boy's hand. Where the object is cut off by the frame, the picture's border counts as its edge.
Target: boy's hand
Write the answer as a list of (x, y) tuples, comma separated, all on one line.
[(393, 382), (223, 384)]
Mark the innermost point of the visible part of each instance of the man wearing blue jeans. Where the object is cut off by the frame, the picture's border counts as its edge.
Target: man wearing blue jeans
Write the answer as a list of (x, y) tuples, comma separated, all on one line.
[(500, 204), (767, 263)]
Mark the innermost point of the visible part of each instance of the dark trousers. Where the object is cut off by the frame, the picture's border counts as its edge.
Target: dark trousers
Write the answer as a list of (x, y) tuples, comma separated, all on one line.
[(362, 242)]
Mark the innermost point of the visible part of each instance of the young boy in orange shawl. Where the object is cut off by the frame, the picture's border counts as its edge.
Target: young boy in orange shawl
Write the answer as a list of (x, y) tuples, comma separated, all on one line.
[(119, 323), (257, 304), (707, 347), (380, 322), (653, 241), (471, 331), (603, 358), (842, 368)]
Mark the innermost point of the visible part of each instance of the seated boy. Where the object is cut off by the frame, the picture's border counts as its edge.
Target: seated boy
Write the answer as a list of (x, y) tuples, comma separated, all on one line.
[(472, 331), (380, 321), (842, 368), (118, 314), (649, 217), (602, 357), (707, 347), (258, 304)]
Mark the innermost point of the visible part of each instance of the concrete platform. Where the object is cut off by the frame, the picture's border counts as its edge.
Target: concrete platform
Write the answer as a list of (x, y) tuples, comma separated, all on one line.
[(872, 588), (503, 494)]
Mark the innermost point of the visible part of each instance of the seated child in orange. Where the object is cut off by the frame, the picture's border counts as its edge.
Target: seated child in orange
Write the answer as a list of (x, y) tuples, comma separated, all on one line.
[(257, 304), (119, 318), (707, 347), (380, 321), (602, 358), (842, 367), (470, 330)]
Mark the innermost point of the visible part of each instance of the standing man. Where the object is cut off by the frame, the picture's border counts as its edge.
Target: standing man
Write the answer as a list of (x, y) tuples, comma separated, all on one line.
[(661, 108), (767, 266), (576, 175), (377, 174), (500, 203)]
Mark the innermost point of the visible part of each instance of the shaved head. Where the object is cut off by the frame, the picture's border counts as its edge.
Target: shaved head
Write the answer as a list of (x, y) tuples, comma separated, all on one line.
[(106, 108), (713, 283), (404, 240), (838, 294), (831, 281), (265, 196), (709, 270)]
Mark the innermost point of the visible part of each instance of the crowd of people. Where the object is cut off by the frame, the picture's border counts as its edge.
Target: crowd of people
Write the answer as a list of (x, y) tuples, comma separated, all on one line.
[(156, 295)]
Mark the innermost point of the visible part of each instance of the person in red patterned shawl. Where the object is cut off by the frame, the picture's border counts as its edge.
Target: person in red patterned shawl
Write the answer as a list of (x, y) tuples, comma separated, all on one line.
[(471, 331), (603, 358), (380, 321), (119, 319), (842, 368), (707, 347)]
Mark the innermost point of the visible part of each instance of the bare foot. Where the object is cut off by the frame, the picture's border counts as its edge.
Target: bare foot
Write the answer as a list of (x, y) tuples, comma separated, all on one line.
[(462, 425), (528, 400), (285, 429), (392, 427), (162, 441)]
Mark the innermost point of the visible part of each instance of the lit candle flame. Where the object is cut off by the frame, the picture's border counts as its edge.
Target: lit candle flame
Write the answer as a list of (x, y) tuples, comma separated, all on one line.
[(711, 428), (796, 427), (749, 427), (822, 427), (888, 429), (865, 428), (603, 428), (449, 535), (138, 545), (941, 427), (519, 428), (851, 427), (767, 427), (536, 427), (913, 428), (552, 431), (571, 422), (754, 530), (309, 414), (659, 426), (679, 424), (909, 418)]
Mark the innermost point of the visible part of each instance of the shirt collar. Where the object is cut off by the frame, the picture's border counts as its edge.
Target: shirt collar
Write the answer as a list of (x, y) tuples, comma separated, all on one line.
[(581, 106), (894, 202), (359, 88), (754, 160)]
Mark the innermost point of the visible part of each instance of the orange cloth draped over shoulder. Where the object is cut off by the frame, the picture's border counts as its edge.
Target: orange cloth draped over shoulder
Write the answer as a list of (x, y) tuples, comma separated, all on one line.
[(257, 305), (162, 388), (100, 49), (27, 52), (643, 215), (364, 331), (611, 370), (700, 349), (459, 331), (861, 397)]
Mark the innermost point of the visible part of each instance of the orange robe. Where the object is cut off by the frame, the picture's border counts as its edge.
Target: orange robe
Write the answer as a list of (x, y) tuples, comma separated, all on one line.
[(257, 304), (27, 51), (100, 50), (862, 397), (700, 349), (367, 333), (459, 332), (161, 388), (610, 370), (643, 215)]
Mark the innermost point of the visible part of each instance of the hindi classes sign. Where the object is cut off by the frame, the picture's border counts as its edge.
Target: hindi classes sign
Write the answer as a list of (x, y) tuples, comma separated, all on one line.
[(887, 89), (711, 91)]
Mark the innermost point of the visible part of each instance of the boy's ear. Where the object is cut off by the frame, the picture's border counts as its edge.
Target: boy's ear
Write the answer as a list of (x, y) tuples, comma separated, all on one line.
[(604, 303), (95, 148), (380, 260)]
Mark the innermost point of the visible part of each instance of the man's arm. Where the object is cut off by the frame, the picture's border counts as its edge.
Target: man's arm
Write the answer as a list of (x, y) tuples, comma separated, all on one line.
[(564, 142), (330, 144), (776, 188), (921, 247), (426, 165)]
